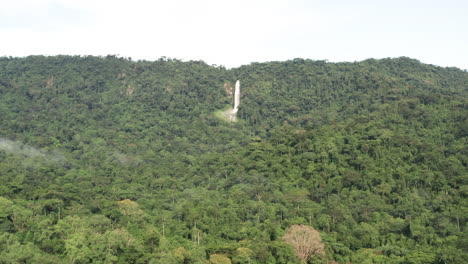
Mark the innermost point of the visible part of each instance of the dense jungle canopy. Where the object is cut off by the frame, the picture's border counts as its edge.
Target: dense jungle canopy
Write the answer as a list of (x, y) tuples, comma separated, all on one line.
[(109, 160)]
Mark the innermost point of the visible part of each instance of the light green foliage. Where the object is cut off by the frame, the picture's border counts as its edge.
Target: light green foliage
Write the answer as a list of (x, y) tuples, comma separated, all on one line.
[(243, 255), (219, 259), (5, 207)]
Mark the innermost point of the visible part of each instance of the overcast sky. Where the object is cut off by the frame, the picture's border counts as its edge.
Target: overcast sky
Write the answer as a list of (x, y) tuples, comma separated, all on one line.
[(236, 32)]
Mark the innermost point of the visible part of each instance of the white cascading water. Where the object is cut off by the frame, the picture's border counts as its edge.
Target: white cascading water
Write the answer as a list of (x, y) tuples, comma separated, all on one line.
[(232, 116)]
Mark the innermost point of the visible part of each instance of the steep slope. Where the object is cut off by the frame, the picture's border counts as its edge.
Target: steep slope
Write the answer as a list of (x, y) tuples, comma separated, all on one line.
[(95, 151)]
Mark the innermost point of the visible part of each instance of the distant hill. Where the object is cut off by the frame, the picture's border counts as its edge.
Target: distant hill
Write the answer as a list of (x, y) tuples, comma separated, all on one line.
[(108, 160)]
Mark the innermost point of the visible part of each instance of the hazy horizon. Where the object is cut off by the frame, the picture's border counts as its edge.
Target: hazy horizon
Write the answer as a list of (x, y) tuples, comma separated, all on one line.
[(238, 33)]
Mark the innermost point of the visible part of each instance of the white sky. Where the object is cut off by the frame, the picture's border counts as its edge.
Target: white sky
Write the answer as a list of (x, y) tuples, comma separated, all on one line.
[(236, 32)]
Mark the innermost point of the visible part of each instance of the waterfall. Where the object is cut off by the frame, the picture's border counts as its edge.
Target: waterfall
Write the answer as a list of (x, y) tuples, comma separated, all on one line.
[(233, 112)]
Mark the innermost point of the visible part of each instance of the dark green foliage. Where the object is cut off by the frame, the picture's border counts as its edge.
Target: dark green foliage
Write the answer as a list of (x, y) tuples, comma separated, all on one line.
[(107, 160)]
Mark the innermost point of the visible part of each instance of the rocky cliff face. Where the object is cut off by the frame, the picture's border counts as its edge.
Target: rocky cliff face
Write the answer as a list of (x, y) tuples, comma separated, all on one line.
[(228, 88), (231, 113)]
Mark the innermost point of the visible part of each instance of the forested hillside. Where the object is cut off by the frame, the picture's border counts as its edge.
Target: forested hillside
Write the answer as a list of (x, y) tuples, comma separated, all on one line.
[(109, 160)]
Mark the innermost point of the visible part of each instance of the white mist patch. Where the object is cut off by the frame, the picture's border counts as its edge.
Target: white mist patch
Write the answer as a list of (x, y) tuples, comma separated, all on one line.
[(18, 148), (125, 159)]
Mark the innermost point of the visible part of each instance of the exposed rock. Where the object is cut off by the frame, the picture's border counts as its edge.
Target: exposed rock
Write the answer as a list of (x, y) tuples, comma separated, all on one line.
[(130, 90), (228, 88)]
